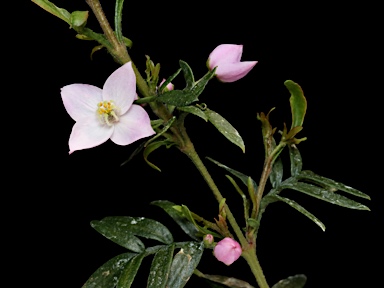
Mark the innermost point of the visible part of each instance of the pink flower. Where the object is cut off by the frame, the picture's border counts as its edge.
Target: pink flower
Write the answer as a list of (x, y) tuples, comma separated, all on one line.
[(107, 113), (226, 57), (169, 87), (227, 251)]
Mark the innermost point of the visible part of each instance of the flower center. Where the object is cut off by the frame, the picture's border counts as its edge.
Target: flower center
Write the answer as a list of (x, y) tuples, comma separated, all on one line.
[(108, 112)]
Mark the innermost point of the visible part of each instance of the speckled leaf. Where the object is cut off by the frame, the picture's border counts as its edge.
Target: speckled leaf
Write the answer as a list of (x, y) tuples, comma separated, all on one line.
[(302, 210), (309, 175), (53, 9), (298, 103), (179, 218), (297, 281), (184, 263), (107, 275), (325, 195), (178, 97), (199, 86), (160, 267), (228, 281), (277, 173), (241, 176), (296, 161), (169, 80), (130, 270), (118, 235), (142, 227), (188, 74), (225, 128), (195, 111)]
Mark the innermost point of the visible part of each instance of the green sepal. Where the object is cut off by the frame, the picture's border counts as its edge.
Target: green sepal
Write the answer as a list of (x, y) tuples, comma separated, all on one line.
[(298, 103), (325, 195), (331, 184), (79, 19), (130, 270), (241, 176), (179, 218), (225, 128), (160, 267), (297, 281), (195, 111), (184, 263), (108, 274), (53, 9), (302, 210)]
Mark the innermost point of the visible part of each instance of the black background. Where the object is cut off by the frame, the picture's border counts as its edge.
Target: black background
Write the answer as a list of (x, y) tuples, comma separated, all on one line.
[(327, 50)]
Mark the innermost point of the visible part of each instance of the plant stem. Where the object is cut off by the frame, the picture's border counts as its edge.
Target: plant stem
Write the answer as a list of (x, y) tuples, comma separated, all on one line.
[(253, 263)]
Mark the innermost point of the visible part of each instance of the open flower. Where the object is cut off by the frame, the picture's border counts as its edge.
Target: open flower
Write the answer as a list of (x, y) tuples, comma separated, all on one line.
[(107, 113), (227, 251), (226, 57)]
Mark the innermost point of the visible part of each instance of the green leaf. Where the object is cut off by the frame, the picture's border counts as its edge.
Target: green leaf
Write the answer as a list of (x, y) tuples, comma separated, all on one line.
[(298, 103), (119, 235), (225, 128), (118, 17), (152, 147), (276, 175), (140, 226), (302, 210), (227, 281), (108, 274), (241, 176), (53, 9), (199, 86), (188, 74), (178, 98), (178, 217), (309, 175), (165, 128), (79, 18), (169, 80), (296, 161), (187, 213), (130, 271), (325, 195), (297, 281), (160, 267), (195, 111), (184, 263)]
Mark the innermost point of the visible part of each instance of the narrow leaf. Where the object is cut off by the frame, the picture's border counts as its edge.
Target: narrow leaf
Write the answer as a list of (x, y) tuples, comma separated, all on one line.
[(188, 74), (297, 281), (325, 195), (169, 80), (298, 103), (225, 128), (309, 175), (118, 17), (141, 226), (184, 263), (160, 267), (195, 111), (296, 161), (130, 271), (79, 18), (241, 176), (108, 274), (165, 128), (53, 9), (149, 149), (302, 210), (178, 98), (199, 86), (178, 217), (118, 235), (227, 281), (276, 175)]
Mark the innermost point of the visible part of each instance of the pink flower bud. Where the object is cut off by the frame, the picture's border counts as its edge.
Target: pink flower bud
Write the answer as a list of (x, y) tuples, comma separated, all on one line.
[(169, 87), (227, 251), (208, 240), (226, 57)]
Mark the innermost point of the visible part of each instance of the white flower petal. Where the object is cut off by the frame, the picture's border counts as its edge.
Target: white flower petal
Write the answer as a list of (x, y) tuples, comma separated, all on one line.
[(80, 100), (133, 125), (88, 133), (121, 87)]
